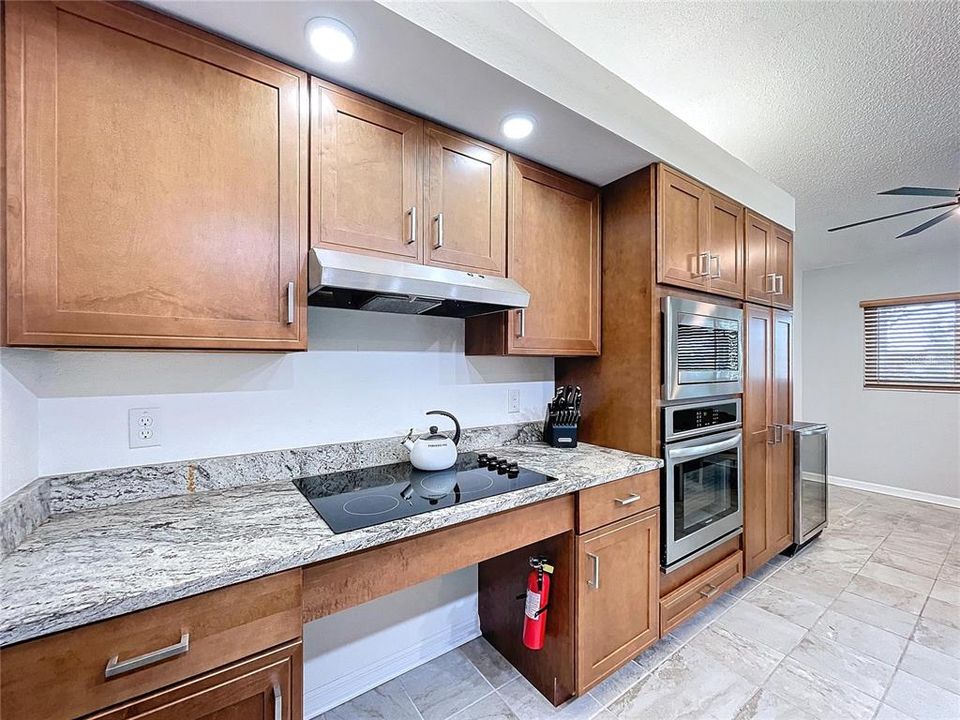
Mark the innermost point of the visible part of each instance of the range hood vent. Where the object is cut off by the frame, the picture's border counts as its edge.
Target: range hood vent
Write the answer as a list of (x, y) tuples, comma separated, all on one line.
[(362, 282)]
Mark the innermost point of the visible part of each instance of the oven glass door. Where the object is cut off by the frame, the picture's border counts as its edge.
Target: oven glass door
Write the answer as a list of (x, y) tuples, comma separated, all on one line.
[(704, 493)]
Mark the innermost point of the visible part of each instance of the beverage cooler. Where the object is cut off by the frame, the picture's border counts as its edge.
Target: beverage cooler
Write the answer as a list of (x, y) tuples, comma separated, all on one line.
[(809, 480)]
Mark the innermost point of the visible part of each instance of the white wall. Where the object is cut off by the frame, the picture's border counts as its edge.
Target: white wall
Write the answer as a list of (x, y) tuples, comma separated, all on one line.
[(18, 433), (907, 440), (366, 375)]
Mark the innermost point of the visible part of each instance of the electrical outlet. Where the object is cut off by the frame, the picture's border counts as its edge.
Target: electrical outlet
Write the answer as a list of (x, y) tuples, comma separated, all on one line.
[(144, 427), (513, 400)]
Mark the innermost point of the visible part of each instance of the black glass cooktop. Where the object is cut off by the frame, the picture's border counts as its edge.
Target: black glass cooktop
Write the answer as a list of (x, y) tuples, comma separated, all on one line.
[(355, 499)]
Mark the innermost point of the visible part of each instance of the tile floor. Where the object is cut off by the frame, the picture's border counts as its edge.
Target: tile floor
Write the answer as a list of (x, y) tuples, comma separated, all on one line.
[(864, 623)]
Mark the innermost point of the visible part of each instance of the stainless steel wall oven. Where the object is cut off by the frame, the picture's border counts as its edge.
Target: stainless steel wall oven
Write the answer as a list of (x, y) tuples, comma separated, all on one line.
[(703, 478)]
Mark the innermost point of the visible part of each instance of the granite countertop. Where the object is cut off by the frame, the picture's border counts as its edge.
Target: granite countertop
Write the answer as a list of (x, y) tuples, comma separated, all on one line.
[(87, 566)]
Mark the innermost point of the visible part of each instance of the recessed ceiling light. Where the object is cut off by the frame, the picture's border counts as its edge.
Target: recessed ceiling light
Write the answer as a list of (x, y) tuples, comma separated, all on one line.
[(331, 39), (517, 127)]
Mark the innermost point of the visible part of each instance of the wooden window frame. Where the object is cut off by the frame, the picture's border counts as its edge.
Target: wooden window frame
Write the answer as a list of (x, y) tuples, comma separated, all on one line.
[(908, 300)]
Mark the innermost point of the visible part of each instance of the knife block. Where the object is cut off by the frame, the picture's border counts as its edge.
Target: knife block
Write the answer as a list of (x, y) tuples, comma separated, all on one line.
[(559, 436)]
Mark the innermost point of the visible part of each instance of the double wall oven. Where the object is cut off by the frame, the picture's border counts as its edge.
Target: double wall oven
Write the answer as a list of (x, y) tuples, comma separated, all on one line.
[(702, 492)]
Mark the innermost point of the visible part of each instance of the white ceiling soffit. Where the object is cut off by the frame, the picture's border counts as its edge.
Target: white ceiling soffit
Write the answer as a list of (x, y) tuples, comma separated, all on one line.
[(833, 101), (469, 64), (409, 67), (503, 35)]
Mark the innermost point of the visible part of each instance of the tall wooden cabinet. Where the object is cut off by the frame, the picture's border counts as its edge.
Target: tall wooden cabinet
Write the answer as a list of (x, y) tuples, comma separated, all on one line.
[(553, 250), (156, 184), (767, 444), (769, 262), (699, 236)]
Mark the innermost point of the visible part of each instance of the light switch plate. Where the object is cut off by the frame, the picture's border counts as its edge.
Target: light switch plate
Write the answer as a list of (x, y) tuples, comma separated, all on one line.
[(144, 427)]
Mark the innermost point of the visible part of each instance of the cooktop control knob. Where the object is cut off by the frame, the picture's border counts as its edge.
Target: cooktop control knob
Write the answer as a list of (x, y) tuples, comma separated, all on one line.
[(482, 459), (491, 462)]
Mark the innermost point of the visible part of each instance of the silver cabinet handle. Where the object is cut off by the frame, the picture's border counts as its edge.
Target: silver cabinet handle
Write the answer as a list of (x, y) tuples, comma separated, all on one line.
[(439, 220), (629, 500), (771, 434), (715, 275), (291, 303), (595, 583), (521, 323), (778, 285), (778, 433), (771, 284), (708, 591), (277, 702), (704, 450), (412, 212), (115, 667), (703, 264)]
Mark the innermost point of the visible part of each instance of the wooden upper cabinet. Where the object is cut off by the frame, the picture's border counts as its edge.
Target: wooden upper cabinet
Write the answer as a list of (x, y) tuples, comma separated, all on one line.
[(769, 262), (783, 267), (699, 236), (758, 246), (365, 175), (617, 595), (156, 184), (465, 202), (553, 250), (683, 216), (768, 452), (725, 246)]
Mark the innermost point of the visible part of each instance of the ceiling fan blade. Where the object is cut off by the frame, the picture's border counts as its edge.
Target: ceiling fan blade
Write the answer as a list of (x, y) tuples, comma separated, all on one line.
[(928, 224), (887, 217), (931, 192)]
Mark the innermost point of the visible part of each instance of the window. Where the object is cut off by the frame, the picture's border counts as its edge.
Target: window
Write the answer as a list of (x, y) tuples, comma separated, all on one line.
[(912, 343)]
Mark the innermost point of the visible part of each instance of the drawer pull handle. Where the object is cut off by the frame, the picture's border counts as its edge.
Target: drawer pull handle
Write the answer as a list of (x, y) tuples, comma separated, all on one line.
[(629, 500), (709, 591), (277, 702), (115, 667)]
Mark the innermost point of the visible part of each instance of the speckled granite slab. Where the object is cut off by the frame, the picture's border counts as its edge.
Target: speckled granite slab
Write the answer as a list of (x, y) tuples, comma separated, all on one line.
[(87, 566), (29, 508)]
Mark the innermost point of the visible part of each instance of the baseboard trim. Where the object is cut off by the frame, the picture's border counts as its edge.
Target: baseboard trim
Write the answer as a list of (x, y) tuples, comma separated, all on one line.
[(946, 500), (319, 699)]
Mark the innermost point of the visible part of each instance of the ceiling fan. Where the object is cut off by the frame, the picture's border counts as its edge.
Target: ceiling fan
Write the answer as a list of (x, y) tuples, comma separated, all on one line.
[(919, 191)]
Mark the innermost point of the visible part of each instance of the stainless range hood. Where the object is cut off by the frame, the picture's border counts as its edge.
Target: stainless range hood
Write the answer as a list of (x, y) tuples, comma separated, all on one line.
[(362, 282)]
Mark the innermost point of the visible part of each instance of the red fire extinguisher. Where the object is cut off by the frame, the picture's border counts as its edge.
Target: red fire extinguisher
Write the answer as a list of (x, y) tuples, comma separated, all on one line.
[(538, 597)]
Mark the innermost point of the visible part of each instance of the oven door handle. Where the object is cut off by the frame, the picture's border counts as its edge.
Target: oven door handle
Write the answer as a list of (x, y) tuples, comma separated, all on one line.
[(708, 449)]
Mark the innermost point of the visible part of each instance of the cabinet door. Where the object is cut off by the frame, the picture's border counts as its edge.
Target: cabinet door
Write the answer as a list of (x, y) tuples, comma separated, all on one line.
[(682, 220), (156, 184), (465, 203), (267, 687), (780, 459), (758, 247), (782, 254), (618, 595), (726, 246), (365, 175), (758, 433), (553, 250)]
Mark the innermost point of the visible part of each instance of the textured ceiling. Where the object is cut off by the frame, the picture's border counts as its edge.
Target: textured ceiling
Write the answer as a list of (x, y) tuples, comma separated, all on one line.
[(832, 101)]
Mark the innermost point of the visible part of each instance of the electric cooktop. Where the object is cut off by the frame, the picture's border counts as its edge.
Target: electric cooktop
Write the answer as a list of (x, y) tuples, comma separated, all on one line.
[(355, 499)]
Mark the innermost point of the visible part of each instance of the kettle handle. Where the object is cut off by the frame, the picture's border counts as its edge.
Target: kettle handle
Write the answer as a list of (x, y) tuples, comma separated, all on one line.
[(456, 436)]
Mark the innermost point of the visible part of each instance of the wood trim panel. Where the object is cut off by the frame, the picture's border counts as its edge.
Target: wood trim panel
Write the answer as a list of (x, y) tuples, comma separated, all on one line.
[(335, 585), (599, 505), (224, 625), (243, 691), (671, 581), (912, 300), (692, 596), (36, 313)]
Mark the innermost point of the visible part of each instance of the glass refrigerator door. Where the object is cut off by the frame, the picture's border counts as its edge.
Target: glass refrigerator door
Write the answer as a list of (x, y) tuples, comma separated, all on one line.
[(813, 481)]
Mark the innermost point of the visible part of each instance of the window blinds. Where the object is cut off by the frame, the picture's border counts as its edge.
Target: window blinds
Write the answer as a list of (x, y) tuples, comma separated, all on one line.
[(912, 343)]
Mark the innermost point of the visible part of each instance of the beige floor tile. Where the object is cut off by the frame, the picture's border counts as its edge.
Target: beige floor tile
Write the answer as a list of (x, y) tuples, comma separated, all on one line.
[(766, 705), (891, 595), (946, 592), (445, 685), (937, 636), (385, 702), (929, 550), (898, 622), (921, 699), (491, 707), (900, 578), (866, 639), (932, 666), (819, 694), (751, 660), (491, 664), (942, 612), (787, 605), (527, 703), (905, 562), (817, 587), (755, 623), (842, 663)]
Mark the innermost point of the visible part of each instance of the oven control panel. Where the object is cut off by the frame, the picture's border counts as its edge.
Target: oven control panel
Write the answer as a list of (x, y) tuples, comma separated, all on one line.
[(692, 419)]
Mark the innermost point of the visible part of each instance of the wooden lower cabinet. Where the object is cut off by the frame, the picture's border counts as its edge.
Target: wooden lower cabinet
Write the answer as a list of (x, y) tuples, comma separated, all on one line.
[(697, 592), (767, 445), (618, 571), (265, 687)]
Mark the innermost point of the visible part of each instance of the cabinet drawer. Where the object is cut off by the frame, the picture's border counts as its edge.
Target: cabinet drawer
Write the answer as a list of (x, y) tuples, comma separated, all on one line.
[(616, 500), (699, 591), (64, 675)]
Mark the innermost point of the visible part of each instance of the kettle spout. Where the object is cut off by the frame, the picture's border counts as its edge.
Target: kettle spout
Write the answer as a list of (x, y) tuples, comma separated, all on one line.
[(407, 442)]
